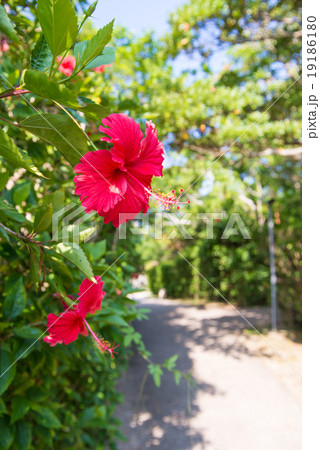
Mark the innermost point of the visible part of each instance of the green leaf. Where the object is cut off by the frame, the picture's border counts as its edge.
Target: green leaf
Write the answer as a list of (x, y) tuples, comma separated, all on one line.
[(58, 200), (6, 26), (156, 372), (97, 249), (14, 156), (127, 340), (4, 177), (11, 212), (157, 379), (41, 56), (114, 320), (37, 394), (107, 56), (6, 435), (38, 83), (86, 51), (20, 406), (94, 417), (23, 435), (35, 265), (170, 363), (45, 436), (58, 21), (76, 256), (7, 375), (177, 376), (60, 131), (27, 332), (15, 297), (61, 267), (45, 417), (92, 109), (141, 313), (26, 348), (3, 408), (43, 219), (5, 235), (21, 192), (28, 161)]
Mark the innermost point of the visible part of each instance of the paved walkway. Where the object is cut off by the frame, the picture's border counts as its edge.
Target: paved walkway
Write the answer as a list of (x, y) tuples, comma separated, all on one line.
[(248, 398)]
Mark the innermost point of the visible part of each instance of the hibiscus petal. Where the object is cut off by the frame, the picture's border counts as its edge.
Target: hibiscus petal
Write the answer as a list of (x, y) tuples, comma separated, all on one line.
[(135, 200), (150, 159), (125, 135), (101, 184), (67, 65), (65, 328), (90, 296)]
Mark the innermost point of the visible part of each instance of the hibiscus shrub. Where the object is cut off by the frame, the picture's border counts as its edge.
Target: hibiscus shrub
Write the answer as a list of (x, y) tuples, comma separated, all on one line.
[(64, 275)]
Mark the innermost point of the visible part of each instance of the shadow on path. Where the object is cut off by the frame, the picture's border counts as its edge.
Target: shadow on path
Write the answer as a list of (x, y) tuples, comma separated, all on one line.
[(161, 417)]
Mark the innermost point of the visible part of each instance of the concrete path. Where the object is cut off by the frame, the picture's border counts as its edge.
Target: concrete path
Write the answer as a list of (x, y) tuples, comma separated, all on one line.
[(247, 397)]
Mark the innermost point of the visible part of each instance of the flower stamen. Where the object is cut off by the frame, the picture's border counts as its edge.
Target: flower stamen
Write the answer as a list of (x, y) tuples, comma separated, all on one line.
[(166, 201), (102, 345)]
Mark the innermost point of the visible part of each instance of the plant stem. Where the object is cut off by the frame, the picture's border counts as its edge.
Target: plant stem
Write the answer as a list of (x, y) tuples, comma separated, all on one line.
[(9, 122), (51, 68), (15, 92), (23, 237), (143, 382), (71, 76), (20, 236)]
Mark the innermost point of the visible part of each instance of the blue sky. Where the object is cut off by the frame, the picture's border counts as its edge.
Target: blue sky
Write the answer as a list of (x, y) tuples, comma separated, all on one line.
[(145, 15), (137, 15)]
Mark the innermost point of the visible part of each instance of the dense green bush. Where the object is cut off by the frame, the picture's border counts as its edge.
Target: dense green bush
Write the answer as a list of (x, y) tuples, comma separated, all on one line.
[(237, 267), (173, 276), (154, 279), (63, 394), (176, 278)]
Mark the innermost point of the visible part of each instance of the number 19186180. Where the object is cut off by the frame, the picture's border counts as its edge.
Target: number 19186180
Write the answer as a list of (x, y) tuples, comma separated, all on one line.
[(311, 46)]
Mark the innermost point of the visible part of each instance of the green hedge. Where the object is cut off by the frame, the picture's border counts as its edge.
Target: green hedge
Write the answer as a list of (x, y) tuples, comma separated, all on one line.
[(174, 276), (154, 279)]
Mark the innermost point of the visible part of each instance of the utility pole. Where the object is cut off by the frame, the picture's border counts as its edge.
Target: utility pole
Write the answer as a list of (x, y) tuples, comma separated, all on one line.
[(273, 275)]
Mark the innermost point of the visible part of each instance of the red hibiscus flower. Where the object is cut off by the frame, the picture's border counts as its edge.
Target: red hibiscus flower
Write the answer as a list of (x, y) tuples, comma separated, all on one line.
[(67, 64), (66, 327), (90, 296), (117, 183), (100, 69), (4, 47)]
